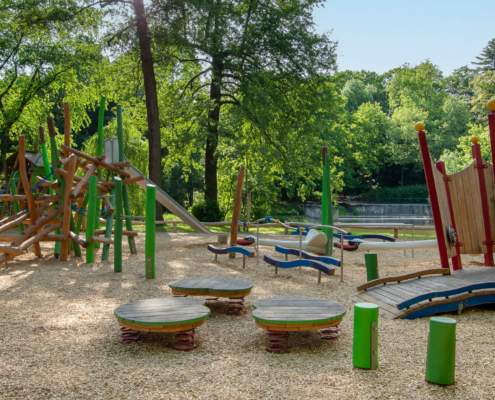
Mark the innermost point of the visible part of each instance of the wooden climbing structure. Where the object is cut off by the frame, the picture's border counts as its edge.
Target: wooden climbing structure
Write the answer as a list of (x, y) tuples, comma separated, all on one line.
[(53, 202)]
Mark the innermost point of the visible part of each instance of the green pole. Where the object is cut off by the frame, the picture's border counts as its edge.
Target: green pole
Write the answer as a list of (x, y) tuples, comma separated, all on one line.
[(99, 152), (46, 164), (371, 260), (17, 208), (90, 219), (326, 201), (125, 193), (108, 229), (440, 362), (149, 244), (60, 180), (365, 340), (83, 207), (117, 237)]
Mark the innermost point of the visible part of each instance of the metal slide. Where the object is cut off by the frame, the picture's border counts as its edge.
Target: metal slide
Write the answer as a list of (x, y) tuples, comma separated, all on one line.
[(111, 154)]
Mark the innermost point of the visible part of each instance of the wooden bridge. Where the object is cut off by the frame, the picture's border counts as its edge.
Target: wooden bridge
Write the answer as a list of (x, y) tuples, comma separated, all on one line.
[(429, 292)]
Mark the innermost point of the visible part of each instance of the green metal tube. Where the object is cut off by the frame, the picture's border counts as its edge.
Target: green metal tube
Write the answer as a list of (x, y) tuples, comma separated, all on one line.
[(90, 220), (326, 202), (117, 237), (80, 219), (440, 363), (371, 260), (364, 315), (99, 152), (108, 229), (149, 244), (46, 165), (61, 185), (15, 204), (125, 193)]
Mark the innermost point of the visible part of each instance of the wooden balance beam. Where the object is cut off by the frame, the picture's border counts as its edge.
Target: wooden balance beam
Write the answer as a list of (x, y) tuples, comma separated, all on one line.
[(320, 266)]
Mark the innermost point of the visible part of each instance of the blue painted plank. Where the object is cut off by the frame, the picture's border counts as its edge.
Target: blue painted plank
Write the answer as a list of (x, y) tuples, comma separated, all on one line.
[(216, 250), (371, 236), (240, 250), (444, 293), (299, 263)]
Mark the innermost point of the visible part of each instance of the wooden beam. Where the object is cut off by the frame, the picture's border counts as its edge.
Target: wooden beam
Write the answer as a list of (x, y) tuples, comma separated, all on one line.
[(97, 161), (36, 238), (124, 232), (125, 182), (82, 182), (96, 239), (29, 231), (78, 240)]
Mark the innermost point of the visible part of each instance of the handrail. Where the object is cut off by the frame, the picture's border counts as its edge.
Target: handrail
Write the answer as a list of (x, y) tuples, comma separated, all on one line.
[(376, 282), (445, 293)]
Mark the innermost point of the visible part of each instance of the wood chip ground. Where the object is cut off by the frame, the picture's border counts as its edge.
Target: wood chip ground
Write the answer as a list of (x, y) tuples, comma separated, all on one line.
[(59, 338)]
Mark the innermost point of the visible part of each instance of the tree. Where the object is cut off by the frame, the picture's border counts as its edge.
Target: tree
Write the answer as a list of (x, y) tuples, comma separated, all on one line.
[(486, 60), (236, 42), (357, 93), (41, 43)]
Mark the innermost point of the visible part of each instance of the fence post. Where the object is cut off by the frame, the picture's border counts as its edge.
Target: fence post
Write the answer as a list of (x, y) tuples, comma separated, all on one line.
[(371, 261), (117, 237), (440, 363), (149, 245)]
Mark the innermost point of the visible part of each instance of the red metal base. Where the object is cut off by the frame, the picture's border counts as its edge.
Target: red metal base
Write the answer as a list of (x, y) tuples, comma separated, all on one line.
[(184, 340), (277, 341), (236, 306), (128, 335), (330, 333)]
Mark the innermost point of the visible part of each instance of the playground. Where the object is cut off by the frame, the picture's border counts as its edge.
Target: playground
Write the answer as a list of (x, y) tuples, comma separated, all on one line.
[(60, 338)]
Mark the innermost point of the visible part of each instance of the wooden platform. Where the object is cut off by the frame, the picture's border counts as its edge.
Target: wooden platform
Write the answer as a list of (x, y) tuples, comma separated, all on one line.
[(216, 286), (435, 294), (162, 315), (297, 313)]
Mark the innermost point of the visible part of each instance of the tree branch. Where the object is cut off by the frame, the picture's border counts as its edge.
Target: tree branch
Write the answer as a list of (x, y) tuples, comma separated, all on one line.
[(193, 79)]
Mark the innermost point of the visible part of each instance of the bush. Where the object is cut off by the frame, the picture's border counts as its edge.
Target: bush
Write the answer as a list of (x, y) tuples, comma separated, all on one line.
[(342, 210), (355, 213), (207, 211)]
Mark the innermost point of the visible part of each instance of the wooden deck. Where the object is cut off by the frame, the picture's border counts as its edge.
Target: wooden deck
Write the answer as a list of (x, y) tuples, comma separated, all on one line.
[(430, 295)]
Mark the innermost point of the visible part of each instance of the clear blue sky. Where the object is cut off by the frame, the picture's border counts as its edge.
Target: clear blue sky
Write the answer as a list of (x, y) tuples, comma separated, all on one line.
[(378, 35)]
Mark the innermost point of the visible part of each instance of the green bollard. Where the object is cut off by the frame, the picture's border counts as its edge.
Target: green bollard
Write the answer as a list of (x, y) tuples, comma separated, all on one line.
[(149, 246), (90, 219), (371, 260), (117, 237), (440, 362), (365, 340)]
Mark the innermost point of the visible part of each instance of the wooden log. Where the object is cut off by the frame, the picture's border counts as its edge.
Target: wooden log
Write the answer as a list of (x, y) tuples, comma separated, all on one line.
[(37, 225), (124, 232), (10, 250), (14, 223), (382, 281), (82, 182), (97, 161), (27, 190), (36, 238), (71, 169), (96, 239), (63, 173), (78, 240), (108, 205), (87, 162), (126, 182)]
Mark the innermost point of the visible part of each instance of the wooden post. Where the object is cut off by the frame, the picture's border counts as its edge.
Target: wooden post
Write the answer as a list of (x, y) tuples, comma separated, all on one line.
[(15, 204), (235, 212), (435, 206), (456, 260), (117, 237), (27, 189)]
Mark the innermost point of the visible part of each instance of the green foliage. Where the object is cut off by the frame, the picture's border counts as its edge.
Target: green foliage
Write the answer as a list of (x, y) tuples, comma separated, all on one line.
[(355, 212), (342, 211), (400, 192), (207, 211)]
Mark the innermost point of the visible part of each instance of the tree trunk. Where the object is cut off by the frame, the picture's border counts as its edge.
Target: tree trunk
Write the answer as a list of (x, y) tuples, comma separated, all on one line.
[(402, 176), (191, 196), (154, 142), (283, 192), (211, 161)]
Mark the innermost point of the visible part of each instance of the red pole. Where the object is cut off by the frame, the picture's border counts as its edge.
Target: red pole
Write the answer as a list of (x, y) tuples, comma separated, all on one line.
[(435, 206)]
